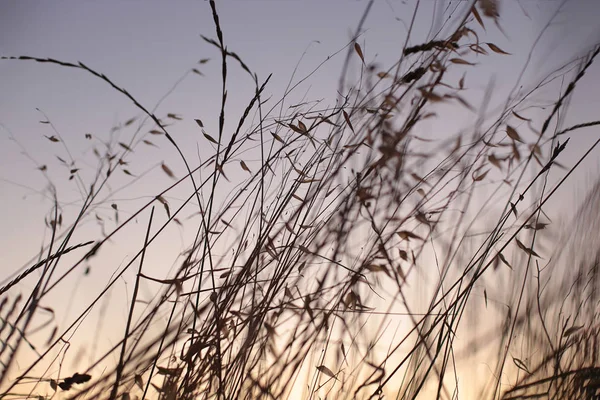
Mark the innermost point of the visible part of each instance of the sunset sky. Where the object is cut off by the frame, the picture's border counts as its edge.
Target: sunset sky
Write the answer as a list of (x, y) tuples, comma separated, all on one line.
[(147, 47)]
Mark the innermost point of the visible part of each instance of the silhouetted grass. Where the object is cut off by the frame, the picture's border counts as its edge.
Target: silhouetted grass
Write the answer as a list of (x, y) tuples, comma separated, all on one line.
[(305, 258)]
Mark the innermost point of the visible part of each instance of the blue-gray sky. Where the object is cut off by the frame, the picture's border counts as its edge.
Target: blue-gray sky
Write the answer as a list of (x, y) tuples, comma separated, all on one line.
[(146, 46)]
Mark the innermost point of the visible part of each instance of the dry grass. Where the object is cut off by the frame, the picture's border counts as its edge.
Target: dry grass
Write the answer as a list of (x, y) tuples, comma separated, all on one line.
[(347, 222)]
